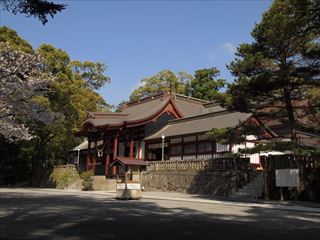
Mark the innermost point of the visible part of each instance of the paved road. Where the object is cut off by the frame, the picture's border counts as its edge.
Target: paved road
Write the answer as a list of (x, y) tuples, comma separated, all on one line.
[(32, 214)]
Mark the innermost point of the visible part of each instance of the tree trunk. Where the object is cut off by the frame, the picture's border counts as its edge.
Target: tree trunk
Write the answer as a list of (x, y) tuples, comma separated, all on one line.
[(290, 113), (36, 158)]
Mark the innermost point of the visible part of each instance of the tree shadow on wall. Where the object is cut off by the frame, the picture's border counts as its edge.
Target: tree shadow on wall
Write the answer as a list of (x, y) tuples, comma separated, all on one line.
[(219, 183)]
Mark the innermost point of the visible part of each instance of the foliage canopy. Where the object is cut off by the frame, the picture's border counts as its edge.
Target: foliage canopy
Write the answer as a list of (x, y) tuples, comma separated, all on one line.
[(40, 9), (283, 62)]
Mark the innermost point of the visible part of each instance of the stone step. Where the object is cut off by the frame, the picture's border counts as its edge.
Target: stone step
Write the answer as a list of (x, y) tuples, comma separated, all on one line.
[(249, 192), (255, 195), (256, 184), (244, 197), (248, 188), (252, 190), (252, 187)]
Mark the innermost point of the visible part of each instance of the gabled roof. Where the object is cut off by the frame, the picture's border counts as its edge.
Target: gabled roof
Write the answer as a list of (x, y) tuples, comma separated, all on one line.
[(147, 109), (202, 123), (125, 161), (81, 146), (100, 119), (213, 107), (84, 146)]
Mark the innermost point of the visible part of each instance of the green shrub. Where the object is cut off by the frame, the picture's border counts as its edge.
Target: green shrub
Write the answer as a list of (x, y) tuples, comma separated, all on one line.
[(63, 176), (87, 180)]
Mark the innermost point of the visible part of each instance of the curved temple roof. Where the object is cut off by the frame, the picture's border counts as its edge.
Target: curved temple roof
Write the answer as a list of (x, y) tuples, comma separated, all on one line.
[(144, 110), (202, 123)]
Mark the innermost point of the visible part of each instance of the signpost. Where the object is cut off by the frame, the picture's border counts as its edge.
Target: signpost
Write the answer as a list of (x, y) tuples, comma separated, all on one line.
[(287, 178)]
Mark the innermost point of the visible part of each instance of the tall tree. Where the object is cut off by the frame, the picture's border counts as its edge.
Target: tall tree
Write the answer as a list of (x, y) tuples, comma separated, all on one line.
[(165, 80), (282, 62), (40, 9), (67, 100), (72, 95), (92, 73), (205, 84), (11, 38)]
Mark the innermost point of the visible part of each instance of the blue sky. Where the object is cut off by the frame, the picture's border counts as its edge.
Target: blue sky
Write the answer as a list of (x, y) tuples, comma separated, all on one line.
[(137, 39)]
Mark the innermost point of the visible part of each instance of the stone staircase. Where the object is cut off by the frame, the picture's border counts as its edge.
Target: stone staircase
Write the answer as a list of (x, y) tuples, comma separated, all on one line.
[(253, 190), (103, 184)]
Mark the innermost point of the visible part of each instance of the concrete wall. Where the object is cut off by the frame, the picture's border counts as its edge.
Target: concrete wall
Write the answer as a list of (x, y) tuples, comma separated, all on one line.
[(209, 182)]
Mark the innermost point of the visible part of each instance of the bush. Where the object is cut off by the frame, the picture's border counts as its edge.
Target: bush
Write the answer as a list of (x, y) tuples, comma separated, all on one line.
[(63, 176), (87, 180)]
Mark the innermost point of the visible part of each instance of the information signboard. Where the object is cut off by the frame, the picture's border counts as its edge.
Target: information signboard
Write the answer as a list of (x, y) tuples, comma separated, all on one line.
[(287, 178), (131, 186)]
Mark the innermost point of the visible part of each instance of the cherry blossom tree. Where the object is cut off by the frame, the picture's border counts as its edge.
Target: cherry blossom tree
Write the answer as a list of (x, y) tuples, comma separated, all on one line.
[(22, 80)]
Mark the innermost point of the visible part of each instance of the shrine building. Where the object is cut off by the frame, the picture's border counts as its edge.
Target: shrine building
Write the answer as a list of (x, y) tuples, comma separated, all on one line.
[(164, 127)]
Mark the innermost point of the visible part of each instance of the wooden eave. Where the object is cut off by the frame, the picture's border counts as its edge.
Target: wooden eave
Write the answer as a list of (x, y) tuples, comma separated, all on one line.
[(267, 131), (169, 107)]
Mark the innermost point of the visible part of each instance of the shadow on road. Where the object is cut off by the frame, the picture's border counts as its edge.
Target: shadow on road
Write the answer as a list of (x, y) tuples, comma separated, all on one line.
[(43, 216)]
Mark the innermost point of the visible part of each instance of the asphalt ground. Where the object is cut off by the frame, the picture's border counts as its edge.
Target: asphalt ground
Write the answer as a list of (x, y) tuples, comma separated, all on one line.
[(34, 214)]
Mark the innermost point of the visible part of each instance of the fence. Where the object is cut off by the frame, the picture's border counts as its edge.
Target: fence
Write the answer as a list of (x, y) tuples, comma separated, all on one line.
[(208, 164), (290, 161)]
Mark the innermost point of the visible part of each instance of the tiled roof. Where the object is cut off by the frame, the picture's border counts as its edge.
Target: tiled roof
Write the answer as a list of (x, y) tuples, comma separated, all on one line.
[(148, 107), (98, 119), (201, 123), (84, 146), (125, 161), (145, 109), (189, 109)]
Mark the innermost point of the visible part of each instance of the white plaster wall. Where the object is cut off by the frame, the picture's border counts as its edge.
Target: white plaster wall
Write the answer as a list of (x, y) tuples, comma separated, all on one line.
[(254, 158)]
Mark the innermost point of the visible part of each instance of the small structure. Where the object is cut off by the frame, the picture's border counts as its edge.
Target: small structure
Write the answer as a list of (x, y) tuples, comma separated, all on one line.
[(129, 177), (78, 154)]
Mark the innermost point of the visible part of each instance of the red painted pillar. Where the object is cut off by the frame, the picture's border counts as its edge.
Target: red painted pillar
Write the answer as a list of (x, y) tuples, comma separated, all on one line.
[(107, 157), (139, 149), (94, 158), (115, 152), (88, 155), (131, 145)]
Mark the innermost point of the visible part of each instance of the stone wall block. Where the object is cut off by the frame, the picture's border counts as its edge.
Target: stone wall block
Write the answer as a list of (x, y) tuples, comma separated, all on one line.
[(210, 182)]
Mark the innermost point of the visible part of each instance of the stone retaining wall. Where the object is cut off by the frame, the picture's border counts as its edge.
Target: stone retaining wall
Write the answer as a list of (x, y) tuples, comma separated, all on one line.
[(217, 177), (209, 182)]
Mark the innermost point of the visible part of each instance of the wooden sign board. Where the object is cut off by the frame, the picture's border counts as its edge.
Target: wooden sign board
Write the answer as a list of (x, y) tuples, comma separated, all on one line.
[(287, 178), (130, 186)]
